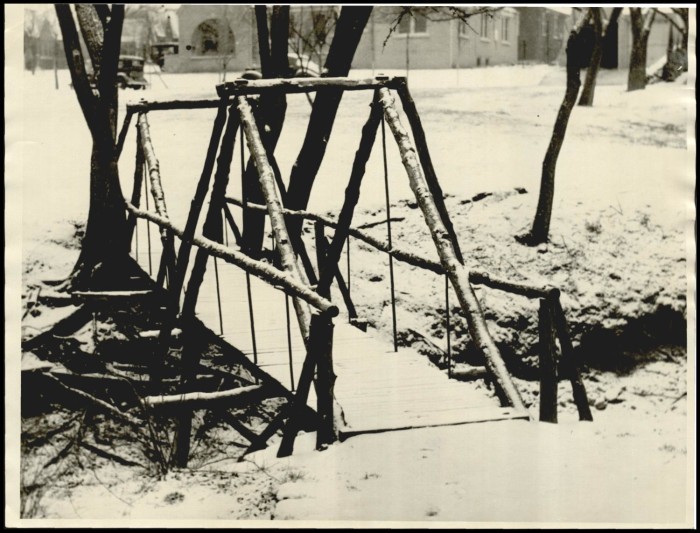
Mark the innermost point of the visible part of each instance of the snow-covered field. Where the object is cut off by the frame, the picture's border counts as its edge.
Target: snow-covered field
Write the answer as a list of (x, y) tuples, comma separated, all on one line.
[(488, 130)]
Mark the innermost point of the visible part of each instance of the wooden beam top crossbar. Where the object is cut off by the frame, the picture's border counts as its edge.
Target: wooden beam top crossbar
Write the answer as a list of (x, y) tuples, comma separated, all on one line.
[(242, 87)]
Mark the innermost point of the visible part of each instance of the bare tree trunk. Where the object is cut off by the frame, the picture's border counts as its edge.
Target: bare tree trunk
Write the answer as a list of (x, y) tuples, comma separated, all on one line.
[(540, 226), (588, 90), (641, 27), (348, 31), (104, 260)]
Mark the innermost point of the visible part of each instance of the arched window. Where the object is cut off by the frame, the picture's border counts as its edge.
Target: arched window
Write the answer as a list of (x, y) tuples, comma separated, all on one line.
[(213, 37)]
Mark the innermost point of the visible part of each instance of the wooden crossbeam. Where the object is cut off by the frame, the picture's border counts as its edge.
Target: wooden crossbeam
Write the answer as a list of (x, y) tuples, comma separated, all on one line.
[(242, 87), (260, 269)]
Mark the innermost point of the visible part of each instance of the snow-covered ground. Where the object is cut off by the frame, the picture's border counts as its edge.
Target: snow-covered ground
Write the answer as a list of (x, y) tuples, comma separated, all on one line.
[(488, 130)]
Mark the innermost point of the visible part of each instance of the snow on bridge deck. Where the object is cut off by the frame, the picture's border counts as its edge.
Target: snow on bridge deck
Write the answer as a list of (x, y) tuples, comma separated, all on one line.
[(378, 389)]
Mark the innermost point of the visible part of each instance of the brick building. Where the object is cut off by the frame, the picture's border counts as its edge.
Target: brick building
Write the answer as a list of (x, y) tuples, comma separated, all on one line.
[(423, 43), (543, 33)]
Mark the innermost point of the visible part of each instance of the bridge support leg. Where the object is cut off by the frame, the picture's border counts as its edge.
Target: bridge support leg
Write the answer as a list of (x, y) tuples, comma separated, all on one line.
[(325, 382), (549, 382), (318, 354), (568, 363)]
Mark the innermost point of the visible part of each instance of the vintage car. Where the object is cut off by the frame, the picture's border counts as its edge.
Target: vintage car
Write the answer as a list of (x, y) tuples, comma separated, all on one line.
[(299, 66), (130, 73)]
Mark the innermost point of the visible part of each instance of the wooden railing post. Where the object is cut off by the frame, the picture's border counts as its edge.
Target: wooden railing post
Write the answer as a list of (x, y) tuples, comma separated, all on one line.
[(548, 367), (568, 363), (322, 344)]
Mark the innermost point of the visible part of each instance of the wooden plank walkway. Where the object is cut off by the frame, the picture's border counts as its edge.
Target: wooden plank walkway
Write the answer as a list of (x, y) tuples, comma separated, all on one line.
[(377, 388)]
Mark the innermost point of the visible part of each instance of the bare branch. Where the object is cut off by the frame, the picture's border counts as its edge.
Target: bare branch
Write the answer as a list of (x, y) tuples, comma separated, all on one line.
[(440, 14)]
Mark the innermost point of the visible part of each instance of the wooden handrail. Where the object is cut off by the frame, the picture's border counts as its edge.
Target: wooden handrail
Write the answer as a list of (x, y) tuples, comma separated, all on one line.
[(521, 288), (242, 87), (145, 106)]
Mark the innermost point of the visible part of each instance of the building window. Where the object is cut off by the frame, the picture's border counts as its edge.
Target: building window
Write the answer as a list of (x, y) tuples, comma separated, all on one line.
[(213, 37), (413, 24), (484, 26), (464, 29), (505, 29)]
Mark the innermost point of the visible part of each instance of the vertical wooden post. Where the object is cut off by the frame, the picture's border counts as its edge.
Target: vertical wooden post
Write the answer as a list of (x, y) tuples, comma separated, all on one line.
[(298, 405), (212, 228), (122, 134), (320, 238), (568, 363), (318, 354), (327, 432), (548, 367)]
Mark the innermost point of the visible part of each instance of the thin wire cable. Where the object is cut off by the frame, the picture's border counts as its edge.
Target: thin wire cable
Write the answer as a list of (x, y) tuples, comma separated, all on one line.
[(289, 342), (447, 327), (347, 251), (148, 228), (388, 228), (218, 296)]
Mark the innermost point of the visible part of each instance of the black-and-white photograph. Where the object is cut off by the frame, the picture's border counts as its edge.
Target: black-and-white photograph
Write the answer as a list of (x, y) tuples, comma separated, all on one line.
[(360, 265)]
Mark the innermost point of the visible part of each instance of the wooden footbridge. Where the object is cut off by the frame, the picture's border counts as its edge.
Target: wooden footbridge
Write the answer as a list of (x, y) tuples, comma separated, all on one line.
[(280, 315)]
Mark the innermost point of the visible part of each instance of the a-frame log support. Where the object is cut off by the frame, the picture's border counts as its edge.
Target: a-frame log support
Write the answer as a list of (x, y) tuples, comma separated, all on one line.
[(458, 274), (266, 176)]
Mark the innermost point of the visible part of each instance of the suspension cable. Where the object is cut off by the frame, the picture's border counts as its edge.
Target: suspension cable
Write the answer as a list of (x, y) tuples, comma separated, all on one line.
[(388, 228)]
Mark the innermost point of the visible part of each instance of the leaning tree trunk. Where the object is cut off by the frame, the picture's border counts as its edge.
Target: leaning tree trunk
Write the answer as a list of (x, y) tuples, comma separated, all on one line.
[(104, 260), (588, 90), (641, 27), (540, 226), (348, 31)]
